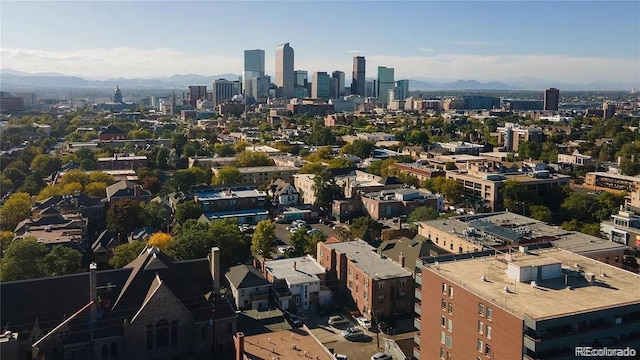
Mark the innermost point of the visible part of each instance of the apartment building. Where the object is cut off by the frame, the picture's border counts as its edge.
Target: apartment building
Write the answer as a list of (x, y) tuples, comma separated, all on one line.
[(249, 288), (611, 182), (379, 286), (511, 135), (523, 305), (421, 172), (244, 203), (476, 233), (623, 228), (392, 203), (122, 162), (482, 183), (259, 175), (575, 158), (461, 147)]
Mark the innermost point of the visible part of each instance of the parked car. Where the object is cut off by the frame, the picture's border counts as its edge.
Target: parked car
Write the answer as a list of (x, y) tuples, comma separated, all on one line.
[(340, 356), (337, 320), (381, 356), (359, 337), (364, 322), (314, 231), (351, 331), (295, 322)]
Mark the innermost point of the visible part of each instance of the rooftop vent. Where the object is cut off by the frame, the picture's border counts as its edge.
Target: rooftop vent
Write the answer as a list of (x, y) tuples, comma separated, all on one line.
[(534, 284), (507, 290), (483, 278)]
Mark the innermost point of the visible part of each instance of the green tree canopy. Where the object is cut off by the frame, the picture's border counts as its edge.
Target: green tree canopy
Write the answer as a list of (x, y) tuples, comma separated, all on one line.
[(45, 165), (226, 176), (19, 262), (188, 210), (252, 158), (191, 241), (62, 260), (123, 217), (185, 179), (155, 215), (264, 238), (423, 213), (15, 209), (126, 253), (367, 229), (360, 148), (326, 190), (540, 212)]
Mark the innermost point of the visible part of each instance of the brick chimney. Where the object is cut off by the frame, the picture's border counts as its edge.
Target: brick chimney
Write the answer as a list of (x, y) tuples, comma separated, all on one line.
[(399, 223), (93, 291), (295, 266), (238, 340), (401, 259), (214, 261)]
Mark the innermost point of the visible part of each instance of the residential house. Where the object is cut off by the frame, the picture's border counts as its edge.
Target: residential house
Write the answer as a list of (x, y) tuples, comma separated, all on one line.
[(406, 251), (378, 285), (127, 190), (283, 192), (111, 132), (249, 288)]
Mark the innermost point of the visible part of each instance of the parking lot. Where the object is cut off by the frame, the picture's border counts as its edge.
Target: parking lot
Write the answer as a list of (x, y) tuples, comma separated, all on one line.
[(331, 337), (283, 233)]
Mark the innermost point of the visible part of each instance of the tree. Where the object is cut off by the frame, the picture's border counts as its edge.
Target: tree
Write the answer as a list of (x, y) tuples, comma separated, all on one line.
[(223, 150), (62, 260), (123, 217), (339, 163), (630, 168), (252, 158), (96, 189), (185, 179), (226, 176), (191, 241), (423, 213), (360, 148), (188, 210), (154, 215), (365, 228), (15, 209), (515, 196), (178, 140), (264, 238), (540, 212), (162, 158), (6, 237), (321, 136), (102, 177), (160, 240), (18, 261), (45, 165), (151, 183), (298, 241), (126, 253), (75, 176), (326, 190), (235, 247), (311, 168)]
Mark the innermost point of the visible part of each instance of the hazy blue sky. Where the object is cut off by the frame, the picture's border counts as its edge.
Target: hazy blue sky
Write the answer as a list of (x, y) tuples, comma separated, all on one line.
[(568, 41)]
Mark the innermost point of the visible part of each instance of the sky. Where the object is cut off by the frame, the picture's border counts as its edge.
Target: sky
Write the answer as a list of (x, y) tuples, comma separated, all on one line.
[(569, 41)]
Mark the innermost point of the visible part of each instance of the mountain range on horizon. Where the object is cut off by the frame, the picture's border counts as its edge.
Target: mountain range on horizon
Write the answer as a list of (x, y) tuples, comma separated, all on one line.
[(12, 79)]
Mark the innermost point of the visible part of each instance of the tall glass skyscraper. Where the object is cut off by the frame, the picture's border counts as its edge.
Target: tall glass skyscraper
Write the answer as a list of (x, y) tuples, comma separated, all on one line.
[(339, 76), (253, 68), (321, 85), (385, 82), (284, 69), (358, 76), (402, 90)]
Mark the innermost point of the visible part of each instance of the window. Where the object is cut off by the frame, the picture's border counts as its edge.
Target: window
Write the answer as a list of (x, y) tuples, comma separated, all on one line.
[(450, 309), (442, 353), (480, 345), (442, 337), (480, 327), (448, 342), (443, 321), (444, 289), (487, 350), (444, 305), (381, 298), (448, 356), (481, 309), (162, 333), (149, 337), (489, 314), (366, 282), (450, 325), (451, 246), (380, 286), (350, 271), (489, 332), (174, 333), (357, 277), (350, 285), (403, 282), (451, 292)]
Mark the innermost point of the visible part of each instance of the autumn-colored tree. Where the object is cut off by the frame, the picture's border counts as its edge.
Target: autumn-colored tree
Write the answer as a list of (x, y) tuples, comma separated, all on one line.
[(96, 189), (160, 240), (15, 209)]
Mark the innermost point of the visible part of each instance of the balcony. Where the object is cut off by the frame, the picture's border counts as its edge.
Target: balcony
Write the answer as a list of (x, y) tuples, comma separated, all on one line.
[(419, 294), (416, 338), (417, 308), (417, 323), (419, 279), (416, 353)]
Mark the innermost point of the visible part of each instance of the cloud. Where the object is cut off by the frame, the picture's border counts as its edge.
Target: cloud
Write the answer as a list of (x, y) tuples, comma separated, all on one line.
[(425, 49), (129, 62)]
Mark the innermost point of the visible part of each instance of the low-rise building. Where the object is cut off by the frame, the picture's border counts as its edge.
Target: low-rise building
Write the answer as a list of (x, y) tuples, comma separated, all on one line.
[(298, 283), (283, 192), (575, 158), (111, 132), (461, 147), (611, 182), (623, 228), (249, 288), (122, 162), (421, 172), (392, 203), (375, 137), (379, 286), (244, 203), (510, 136), (259, 175), (406, 251), (127, 190), (288, 344)]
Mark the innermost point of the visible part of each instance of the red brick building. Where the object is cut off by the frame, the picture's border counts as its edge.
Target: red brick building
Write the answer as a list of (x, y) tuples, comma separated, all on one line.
[(111, 133), (379, 286)]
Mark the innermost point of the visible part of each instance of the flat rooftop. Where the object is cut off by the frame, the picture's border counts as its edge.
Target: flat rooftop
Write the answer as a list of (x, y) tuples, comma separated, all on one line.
[(305, 270), (550, 298), (615, 176), (225, 194), (284, 344), (365, 257), (254, 169)]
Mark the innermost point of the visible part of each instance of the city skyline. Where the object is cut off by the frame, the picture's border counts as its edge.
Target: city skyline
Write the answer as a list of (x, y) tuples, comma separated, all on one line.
[(485, 41)]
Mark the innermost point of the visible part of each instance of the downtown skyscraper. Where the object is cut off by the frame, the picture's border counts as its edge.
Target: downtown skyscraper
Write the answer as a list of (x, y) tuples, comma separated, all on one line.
[(284, 69), (385, 83), (358, 76), (253, 69)]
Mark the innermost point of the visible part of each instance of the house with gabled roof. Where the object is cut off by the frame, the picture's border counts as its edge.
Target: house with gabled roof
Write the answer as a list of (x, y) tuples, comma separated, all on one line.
[(284, 192), (126, 189), (154, 307), (249, 288), (111, 132)]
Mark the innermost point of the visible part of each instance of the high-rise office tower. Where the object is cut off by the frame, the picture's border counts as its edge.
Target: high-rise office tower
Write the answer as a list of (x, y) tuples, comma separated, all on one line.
[(358, 76), (261, 87), (284, 69), (402, 90), (321, 85), (253, 68), (301, 77), (339, 76), (197, 93), (608, 110), (223, 90), (551, 99), (385, 82)]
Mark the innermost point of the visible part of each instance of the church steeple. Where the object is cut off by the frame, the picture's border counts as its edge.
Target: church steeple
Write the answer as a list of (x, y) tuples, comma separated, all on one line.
[(117, 96)]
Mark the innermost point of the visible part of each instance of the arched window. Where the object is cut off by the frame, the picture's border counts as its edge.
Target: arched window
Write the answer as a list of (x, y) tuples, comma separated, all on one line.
[(149, 337), (162, 333), (105, 351), (174, 333)]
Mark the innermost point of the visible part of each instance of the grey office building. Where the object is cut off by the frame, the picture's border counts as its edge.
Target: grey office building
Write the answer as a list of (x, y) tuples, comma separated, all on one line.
[(284, 69), (358, 76), (339, 75), (223, 90), (321, 85), (385, 83), (253, 68)]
